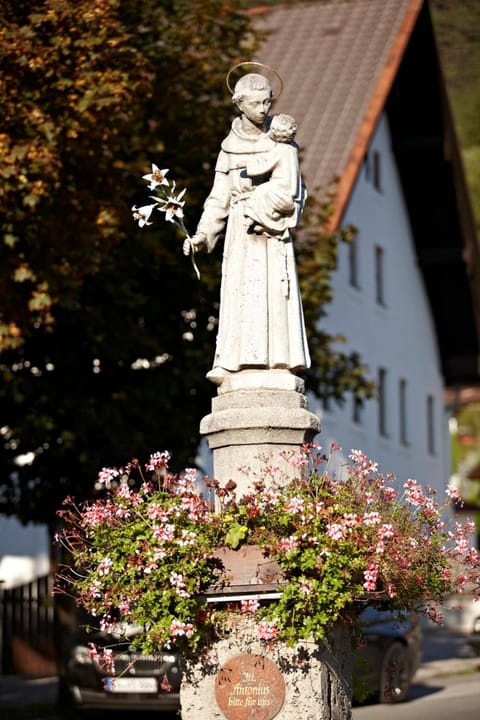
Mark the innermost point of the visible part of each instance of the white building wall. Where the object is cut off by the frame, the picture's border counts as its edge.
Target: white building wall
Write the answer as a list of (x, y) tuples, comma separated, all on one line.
[(24, 552), (398, 336)]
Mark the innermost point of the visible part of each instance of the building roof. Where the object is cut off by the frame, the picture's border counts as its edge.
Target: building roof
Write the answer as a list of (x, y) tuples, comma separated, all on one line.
[(343, 63)]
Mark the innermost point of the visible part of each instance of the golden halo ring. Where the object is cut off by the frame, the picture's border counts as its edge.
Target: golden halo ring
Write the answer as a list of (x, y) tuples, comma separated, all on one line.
[(256, 65)]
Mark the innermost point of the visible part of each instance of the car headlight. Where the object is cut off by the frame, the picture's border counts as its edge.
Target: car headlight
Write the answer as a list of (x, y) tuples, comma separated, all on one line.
[(169, 658)]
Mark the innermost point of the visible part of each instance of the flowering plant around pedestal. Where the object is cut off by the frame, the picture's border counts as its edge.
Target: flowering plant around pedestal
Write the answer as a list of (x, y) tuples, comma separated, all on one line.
[(144, 552)]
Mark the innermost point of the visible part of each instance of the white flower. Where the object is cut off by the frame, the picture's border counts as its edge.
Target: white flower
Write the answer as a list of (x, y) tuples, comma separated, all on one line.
[(156, 177), (173, 206), (142, 214)]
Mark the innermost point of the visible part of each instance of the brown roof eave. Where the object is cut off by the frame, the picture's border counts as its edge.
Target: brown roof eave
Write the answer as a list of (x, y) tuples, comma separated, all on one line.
[(373, 112)]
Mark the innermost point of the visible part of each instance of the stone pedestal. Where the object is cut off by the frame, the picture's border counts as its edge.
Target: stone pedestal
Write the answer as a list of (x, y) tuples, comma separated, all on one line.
[(255, 415), (258, 419), (242, 678)]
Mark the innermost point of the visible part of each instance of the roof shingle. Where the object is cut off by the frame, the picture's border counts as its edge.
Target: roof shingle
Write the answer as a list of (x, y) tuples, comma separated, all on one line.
[(337, 60)]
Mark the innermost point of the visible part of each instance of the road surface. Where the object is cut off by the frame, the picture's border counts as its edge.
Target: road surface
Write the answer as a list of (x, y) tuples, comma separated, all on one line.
[(442, 698)]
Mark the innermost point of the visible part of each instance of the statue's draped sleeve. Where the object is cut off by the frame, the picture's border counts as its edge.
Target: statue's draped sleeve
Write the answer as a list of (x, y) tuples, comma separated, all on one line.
[(217, 205)]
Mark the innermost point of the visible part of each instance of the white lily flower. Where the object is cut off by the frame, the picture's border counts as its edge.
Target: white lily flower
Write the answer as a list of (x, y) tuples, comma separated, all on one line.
[(142, 214), (156, 177), (173, 206)]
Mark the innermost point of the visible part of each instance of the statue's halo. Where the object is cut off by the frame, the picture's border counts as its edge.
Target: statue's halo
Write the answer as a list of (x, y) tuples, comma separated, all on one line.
[(262, 69)]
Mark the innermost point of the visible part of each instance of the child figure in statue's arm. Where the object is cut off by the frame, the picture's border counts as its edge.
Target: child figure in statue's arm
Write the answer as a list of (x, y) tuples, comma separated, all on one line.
[(270, 206)]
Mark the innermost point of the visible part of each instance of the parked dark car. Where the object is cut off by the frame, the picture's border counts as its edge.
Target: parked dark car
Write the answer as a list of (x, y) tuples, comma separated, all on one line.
[(388, 657), (383, 668), (141, 682)]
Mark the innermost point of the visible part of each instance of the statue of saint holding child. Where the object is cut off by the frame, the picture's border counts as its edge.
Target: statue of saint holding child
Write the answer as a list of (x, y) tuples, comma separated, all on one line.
[(256, 200)]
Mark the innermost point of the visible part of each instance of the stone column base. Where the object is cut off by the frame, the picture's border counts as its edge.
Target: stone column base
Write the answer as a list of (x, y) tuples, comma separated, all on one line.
[(311, 681), (256, 415)]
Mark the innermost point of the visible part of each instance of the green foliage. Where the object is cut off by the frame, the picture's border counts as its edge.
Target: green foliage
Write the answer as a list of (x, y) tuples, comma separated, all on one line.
[(457, 30)]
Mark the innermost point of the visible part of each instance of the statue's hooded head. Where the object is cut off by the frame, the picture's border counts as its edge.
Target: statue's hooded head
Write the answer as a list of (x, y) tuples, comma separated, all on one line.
[(253, 96)]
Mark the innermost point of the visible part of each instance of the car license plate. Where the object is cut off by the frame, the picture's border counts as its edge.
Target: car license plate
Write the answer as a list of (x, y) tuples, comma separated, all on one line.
[(131, 685)]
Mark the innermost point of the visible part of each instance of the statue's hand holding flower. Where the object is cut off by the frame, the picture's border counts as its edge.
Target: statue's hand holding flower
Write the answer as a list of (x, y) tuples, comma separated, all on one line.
[(194, 244)]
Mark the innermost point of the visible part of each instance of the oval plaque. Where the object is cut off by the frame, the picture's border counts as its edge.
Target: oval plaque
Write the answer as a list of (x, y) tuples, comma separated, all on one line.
[(250, 686)]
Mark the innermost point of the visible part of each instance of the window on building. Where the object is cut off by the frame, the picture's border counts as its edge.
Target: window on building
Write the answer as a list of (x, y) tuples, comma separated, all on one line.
[(366, 166), (353, 262), (372, 167), (402, 404), (431, 424), (377, 171), (382, 402), (357, 411), (379, 275)]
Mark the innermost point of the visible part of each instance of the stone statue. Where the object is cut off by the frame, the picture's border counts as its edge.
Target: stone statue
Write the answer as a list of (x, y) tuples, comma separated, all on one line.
[(256, 199)]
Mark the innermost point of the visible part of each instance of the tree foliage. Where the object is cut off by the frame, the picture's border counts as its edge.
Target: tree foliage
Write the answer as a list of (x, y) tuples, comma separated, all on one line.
[(105, 333)]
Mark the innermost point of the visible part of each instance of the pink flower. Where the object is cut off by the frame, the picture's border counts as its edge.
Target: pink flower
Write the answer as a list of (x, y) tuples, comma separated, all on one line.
[(124, 492), (386, 531), (391, 590), (93, 591), (299, 460), (124, 606), (156, 512), (106, 475), (148, 569), (372, 518), (107, 660), (454, 494), (434, 614), (165, 685), (164, 533), (462, 581), (195, 507), (99, 514), (249, 606), (178, 582), (93, 651), (158, 461), (105, 566), (188, 538), (191, 475), (336, 531), (461, 545), (294, 505), (364, 465), (306, 587), (288, 544), (350, 520), (267, 630), (370, 575), (472, 556), (106, 624), (180, 629)]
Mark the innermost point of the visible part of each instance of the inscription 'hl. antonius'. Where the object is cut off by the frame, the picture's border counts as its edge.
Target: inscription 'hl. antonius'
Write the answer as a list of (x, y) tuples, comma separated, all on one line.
[(250, 683), (247, 694)]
